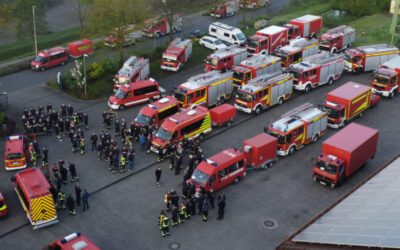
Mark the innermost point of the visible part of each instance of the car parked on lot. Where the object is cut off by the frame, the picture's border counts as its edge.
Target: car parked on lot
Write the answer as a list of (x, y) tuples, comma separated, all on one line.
[(212, 43)]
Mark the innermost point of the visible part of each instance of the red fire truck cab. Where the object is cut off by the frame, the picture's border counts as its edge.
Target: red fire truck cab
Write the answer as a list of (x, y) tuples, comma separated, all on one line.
[(135, 93), (386, 80), (156, 112), (220, 170), (73, 241), (158, 27), (177, 54), (14, 155), (50, 58)]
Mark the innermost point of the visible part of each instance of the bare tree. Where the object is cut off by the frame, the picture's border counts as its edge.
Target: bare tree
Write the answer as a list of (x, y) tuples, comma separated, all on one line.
[(168, 8), (80, 9)]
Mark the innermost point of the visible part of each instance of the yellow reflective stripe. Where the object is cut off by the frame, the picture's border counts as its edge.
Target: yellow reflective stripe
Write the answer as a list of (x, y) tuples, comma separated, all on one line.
[(204, 126), (378, 84), (170, 106), (383, 53), (359, 98), (363, 106), (219, 82), (4, 207), (203, 99), (43, 209)]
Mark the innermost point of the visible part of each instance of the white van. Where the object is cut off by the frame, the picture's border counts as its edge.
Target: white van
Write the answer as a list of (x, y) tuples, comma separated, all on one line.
[(226, 33)]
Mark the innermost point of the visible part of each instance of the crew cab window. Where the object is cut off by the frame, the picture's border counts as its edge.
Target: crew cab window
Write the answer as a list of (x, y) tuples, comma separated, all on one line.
[(198, 93), (234, 38), (190, 97), (232, 168), (168, 112), (294, 133), (212, 179), (174, 135), (296, 56), (248, 76), (301, 130), (203, 92), (260, 94), (226, 35), (265, 92), (222, 173), (191, 127), (289, 138)]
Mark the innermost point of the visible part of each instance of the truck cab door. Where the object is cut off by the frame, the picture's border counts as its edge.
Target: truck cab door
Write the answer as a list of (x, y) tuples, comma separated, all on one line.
[(223, 177)]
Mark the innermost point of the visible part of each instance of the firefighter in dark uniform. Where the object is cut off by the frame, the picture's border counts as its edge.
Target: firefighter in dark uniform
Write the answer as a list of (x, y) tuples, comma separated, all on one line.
[(117, 127), (70, 110), (82, 145), (63, 110), (164, 225), (160, 155), (86, 120), (172, 161), (175, 216)]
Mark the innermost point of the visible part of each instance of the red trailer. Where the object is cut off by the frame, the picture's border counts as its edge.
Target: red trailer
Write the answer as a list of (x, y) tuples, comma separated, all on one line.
[(344, 153), (79, 48), (304, 26), (277, 37), (260, 151), (222, 115)]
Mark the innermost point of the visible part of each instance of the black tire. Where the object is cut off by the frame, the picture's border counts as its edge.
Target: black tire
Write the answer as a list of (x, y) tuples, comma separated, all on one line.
[(308, 89), (292, 150), (158, 34), (237, 179), (315, 138), (281, 101), (151, 100), (333, 51), (201, 136), (361, 114), (391, 95), (330, 81), (258, 110), (270, 164), (122, 108), (229, 123), (42, 69)]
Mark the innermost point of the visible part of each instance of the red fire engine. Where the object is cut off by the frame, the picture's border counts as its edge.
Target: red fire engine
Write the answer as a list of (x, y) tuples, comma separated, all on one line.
[(320, 69), (134, 69), (270, 39), (50, 58), (225, 59), (305, 26), (337, 39), (263, 92), (79, 48), (158, 27), (386, 80), (14, 154), (299, 127), (225, 9), (256, 65), (156, 112), (367, 58), (207, 89), (73, 241), (230, 165), (222, 115), (251, 4), (177, 54), (189, 123), (297, 50)]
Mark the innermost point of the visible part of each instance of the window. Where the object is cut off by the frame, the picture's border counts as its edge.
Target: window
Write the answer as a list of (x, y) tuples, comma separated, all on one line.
[(203, 92), (307, 74), (212, 179), (232, 168), (145, 90), (234, 38), (129, 94), (248, 76), (198, 93), (168, 112), (289, 138), (226, 35), (294, 133), (213, 30), (301, 130), (191, 127), (265, 92), (189, 97), (175, 135), (297, 56), (314, 72), (260, 94), (138, 92), (222, 173)]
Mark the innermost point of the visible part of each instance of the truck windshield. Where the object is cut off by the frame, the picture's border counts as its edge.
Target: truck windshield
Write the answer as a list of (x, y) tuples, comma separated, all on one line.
[(334, 113), (240, 36), (251, 43), (214, 61), (381, 79), (180, 97), (200, 177), (284, 57), (327, 167), (281, 138), (40, 59), (14, 156), (325, 41), (120, 94), (351, 58), (246, 97), (142, 119), (167, 59), (238, 75), (295, 74), (163, 134)]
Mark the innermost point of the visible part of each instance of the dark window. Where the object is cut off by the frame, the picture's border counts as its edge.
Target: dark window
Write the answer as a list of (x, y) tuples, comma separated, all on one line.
[(145, 90), (294, 133), (168, 112), (297, 56), (203, 92), (222, 173), (226, 35), (174, 135), (240, 164), (212, 179), (189, 97), (248, 76), (233, 167), (234, 38), (301, 130), (265, 92), (314, 72), (260, 94), (198, 93), (289, 138), (191, 127), (213, 30)]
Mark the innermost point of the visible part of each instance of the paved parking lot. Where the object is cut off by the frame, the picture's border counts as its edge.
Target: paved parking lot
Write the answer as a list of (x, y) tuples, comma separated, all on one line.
[(124, 208)]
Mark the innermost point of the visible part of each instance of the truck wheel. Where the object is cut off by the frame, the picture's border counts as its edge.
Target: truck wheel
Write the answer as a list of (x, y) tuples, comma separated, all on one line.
[(361, 114), (332, 185), (315, 138), (42, 69), (270, 164), (258, 110), (308, 89), (122, 107), (391, 95), (158, 34), (237, 179), (330, 81), (229, 123), (333, 50), (292, 150), (151, 100), (281, 101)]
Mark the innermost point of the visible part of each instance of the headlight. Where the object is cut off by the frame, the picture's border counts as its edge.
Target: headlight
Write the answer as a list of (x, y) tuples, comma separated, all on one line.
[(37, 66)]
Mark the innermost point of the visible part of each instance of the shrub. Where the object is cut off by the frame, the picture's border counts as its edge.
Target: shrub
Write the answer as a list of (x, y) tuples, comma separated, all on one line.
[(96, 71)]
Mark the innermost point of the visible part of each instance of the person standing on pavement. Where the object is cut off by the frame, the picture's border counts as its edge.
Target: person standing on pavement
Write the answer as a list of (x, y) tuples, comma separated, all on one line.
[(142, 141), (71, 205), (204, 210), (85, 200), (175, 216), (211, 198), (131, 160), (158, 175), (64, 174), (93, 139), (72, 171), (221, 206), (45, 153), (78, 193), (82, 145), (164, 225), (178, 164)]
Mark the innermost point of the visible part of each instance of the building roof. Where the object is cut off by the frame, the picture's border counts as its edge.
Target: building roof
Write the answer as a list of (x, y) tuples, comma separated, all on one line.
[(367, 217), (350, 90), (351, 137), (33, 181)]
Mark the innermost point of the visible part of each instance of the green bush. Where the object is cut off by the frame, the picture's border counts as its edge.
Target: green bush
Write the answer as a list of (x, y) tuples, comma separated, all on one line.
[(96, 71), (360, 8), (2, 118)]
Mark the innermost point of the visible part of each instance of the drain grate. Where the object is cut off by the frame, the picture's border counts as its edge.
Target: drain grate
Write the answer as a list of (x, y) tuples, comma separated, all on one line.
[(174, 245), (270, 224)]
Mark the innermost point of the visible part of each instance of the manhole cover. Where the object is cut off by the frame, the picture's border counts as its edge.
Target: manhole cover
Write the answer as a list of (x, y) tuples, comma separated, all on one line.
[(270, 224), (174, 245)]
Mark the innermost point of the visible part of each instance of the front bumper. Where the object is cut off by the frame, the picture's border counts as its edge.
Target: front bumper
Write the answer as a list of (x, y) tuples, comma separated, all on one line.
[(247, 110), (15, 168), (282, 152), (299, 87), (333, 125), (169, 68), (381, 92), (113, 106), (322, 180)]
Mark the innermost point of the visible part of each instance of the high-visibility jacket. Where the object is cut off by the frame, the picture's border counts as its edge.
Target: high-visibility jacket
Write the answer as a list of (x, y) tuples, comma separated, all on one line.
[(61, 196), (122, 161), (164, 221)]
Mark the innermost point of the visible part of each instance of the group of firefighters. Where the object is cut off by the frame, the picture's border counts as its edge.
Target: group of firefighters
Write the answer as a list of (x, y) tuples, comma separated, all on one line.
[(195, 201), (43, 121)]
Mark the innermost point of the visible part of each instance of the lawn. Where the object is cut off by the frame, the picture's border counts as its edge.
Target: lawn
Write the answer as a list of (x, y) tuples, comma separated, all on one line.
[(372, 29)]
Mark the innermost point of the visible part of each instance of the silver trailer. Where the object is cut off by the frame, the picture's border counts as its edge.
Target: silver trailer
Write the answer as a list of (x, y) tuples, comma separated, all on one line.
[(220, 85)]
